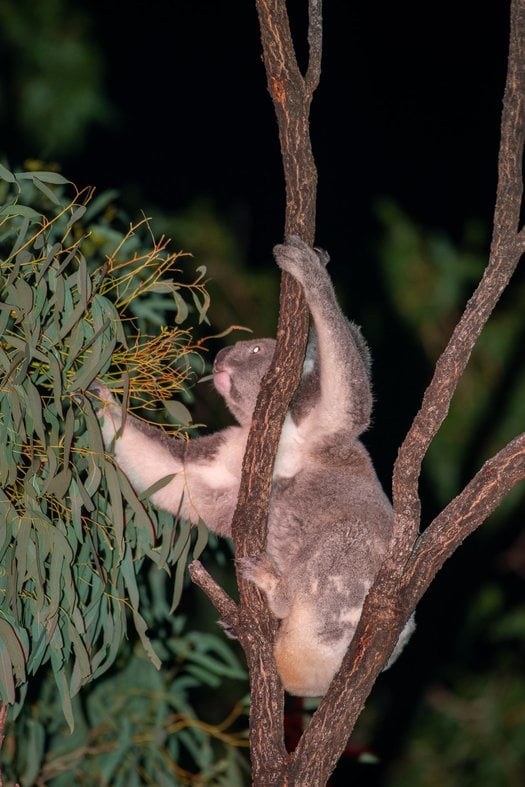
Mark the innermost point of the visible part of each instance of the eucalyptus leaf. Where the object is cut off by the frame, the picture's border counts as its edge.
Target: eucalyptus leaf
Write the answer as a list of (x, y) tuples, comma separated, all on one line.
[(20, 210), (46, 191), (179, 575), (202, 539), (44, 177), (117, 509), (77, 214), (202, 304), (7, 683), (14, 641), (178, 412), (62, 682), (6, 175), (182, 307), (34, 746)]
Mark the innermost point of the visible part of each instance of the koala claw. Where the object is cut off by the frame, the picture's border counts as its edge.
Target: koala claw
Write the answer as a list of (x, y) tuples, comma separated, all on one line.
[(229, 630), (297, 258), (324, 257)]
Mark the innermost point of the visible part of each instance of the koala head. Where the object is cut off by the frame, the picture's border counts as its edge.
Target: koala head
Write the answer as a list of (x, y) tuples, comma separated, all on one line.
[(237, 374)]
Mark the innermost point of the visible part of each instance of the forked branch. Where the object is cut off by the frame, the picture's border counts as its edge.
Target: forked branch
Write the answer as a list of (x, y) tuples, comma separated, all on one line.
[(507, 247), (414, 561)]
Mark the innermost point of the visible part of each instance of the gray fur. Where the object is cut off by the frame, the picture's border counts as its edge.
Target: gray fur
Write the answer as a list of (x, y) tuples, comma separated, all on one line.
[(329, 521)]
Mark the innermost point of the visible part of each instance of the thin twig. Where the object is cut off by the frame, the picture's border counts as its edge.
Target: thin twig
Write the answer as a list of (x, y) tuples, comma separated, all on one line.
[(226, 607), (315, 45)]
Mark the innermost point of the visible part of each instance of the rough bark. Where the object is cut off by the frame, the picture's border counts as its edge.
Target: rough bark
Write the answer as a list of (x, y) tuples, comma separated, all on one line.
[(291, 93)]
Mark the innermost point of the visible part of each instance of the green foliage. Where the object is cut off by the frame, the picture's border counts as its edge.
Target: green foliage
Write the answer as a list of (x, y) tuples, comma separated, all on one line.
[(470, 729), (73, 534), (242, 293), (472, 735), (137, 725), (81, 556)]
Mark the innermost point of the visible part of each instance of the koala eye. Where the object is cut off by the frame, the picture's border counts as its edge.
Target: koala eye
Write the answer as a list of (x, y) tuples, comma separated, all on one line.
[(256, 349)]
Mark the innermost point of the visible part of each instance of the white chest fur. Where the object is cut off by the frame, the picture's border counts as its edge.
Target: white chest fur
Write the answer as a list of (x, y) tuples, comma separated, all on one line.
[(290, 453), (223, 470)]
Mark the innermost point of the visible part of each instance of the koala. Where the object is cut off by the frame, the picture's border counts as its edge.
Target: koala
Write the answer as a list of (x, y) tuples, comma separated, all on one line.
[(329, 520)]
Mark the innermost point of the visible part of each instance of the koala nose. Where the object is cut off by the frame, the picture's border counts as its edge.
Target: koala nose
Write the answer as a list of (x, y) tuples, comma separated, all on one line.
[(221, 357)]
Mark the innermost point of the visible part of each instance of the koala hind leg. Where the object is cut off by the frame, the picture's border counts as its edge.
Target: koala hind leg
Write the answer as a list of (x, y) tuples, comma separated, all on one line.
[(306, 662)]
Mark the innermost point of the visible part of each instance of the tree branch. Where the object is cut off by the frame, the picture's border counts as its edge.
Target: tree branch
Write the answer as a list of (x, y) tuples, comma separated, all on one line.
[(413, 561), (253, 623), (463, 515), (506, 250), (291, 97), (315, 45), (226, 607), (388, 607)]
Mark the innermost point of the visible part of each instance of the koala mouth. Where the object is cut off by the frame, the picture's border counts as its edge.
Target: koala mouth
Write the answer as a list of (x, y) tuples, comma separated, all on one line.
[(222, 380)]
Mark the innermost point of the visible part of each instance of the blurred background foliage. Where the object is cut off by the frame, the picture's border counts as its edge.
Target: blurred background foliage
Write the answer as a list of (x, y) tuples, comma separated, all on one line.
[(55, 90), (452, 710)]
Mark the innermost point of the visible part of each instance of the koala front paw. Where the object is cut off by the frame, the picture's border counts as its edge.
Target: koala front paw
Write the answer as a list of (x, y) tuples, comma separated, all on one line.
[(101, 391), (299, 259)]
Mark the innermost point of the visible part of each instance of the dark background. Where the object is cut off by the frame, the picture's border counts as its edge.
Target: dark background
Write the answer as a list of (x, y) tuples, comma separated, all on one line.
[(408, 105)]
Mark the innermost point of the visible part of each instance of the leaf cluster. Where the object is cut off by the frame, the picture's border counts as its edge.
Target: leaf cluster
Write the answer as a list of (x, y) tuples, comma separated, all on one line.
[(76, 288), (139, 725)]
